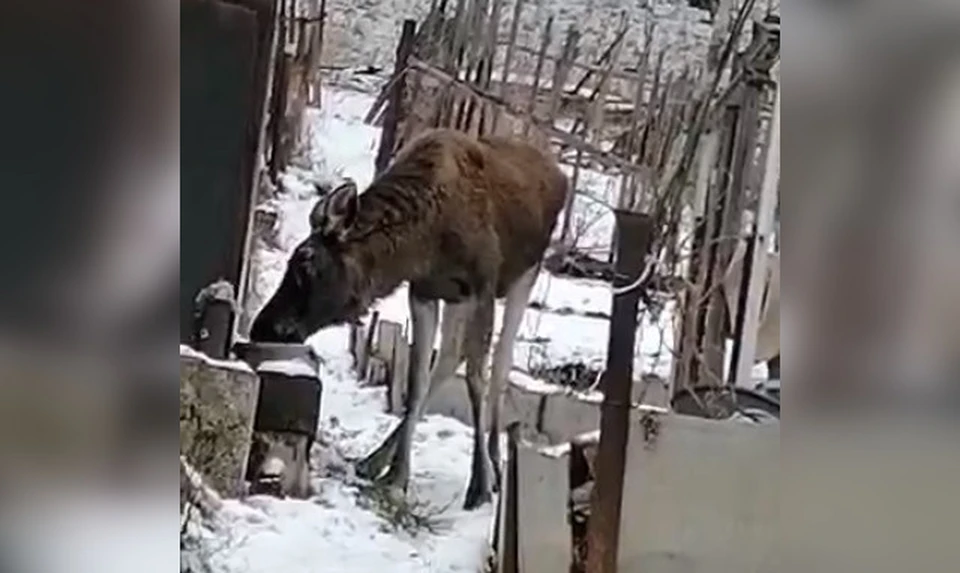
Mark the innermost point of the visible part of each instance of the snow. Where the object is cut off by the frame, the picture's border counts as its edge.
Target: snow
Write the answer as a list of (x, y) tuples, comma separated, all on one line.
[(228, 364), (332, 531), (534, 385), (288, 367)]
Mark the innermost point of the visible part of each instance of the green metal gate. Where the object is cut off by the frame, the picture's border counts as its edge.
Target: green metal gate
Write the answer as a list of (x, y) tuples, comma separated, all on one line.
[(225, 59)]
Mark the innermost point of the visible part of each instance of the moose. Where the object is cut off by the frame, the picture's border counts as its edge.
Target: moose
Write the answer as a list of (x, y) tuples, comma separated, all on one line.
[(462, 220)]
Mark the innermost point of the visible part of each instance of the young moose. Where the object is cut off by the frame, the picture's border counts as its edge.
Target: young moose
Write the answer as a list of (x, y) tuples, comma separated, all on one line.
[(465, 221)]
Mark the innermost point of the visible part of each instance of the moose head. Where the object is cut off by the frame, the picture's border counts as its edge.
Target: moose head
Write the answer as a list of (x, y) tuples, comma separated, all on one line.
[(317, 289)]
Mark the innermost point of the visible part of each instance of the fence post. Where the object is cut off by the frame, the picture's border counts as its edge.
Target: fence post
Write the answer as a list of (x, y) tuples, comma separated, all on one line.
[(392, 116), (603, 533)]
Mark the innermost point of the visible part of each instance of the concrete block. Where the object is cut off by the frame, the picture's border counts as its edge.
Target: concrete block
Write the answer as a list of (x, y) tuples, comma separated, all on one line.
[(699, 495), (543, 490), (217, 404)]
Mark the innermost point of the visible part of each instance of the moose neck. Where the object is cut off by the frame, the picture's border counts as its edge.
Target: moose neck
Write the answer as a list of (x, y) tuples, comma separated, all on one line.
[(390, 240)]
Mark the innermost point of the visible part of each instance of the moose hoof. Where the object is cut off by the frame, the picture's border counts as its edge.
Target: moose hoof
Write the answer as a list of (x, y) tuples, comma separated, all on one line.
[(497, 479), (370, 468), (394, 480), (476, 497)]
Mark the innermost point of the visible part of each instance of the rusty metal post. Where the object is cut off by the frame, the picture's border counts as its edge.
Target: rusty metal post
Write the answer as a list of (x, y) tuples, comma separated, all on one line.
[(634, 231)]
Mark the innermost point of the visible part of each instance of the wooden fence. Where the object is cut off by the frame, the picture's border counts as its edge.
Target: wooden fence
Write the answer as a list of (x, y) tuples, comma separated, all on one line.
[(638, 121), (458, 69)]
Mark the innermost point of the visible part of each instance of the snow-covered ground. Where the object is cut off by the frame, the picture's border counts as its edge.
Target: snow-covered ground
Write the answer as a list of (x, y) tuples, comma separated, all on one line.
[(334, 531)]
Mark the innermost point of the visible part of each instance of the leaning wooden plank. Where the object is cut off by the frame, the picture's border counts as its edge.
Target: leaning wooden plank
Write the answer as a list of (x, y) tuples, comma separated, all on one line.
[(628, 187), (511, 47), (473, 55), (671, 127), (394, 114), (565, 231), (435, 50), (451, 53), (535, 87), (485, 71), (568, 55), (490, 42), (382, 96), (600, 92), (561, 71), (456, 41), (617, 40), (661, 121), (650, 124), (430, 24), (572, 141), (475, 37), (508, 58), (618, 74), (387, 337)]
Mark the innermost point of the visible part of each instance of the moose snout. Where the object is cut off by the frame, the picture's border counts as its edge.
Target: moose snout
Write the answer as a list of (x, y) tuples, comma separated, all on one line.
[(266, 328)]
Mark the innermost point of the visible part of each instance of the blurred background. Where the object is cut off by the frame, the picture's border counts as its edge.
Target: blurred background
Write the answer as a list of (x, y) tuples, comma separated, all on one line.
[(90, 236)]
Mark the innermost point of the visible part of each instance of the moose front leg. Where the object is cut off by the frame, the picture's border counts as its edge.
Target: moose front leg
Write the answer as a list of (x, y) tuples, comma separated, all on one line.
[(444, 369), (425, 316), (453, 330)]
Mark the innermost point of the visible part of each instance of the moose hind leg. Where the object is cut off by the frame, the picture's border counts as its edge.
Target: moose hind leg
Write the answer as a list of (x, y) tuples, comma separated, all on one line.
[(477, 349), (518, 296), (372, 466)]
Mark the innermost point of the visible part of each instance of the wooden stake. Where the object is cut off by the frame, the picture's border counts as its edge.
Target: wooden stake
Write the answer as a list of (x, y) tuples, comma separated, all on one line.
[(535, 88), (392, 118)]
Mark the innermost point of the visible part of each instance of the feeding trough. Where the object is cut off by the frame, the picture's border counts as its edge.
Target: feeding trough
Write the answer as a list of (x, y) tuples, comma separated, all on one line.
[(286, 419)]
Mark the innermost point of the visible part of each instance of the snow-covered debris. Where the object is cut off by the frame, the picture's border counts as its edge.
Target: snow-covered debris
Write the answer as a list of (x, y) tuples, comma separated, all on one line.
[(287, 367), (229, 364)]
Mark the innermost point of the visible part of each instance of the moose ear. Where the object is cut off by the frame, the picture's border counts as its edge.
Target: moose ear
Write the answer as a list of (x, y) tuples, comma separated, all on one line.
[(336, 211)]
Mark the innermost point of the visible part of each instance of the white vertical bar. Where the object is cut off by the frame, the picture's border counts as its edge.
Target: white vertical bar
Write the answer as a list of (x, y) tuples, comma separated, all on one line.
[(758, 275)]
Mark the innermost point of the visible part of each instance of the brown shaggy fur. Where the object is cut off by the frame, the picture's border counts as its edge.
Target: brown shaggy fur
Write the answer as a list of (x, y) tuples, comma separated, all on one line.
[(451, 213)]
